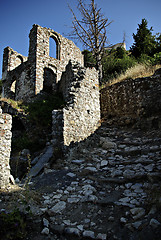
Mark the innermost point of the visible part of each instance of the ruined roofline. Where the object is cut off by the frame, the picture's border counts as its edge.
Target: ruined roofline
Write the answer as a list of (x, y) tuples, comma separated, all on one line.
[(43, 67), (53, 32), (15, 52)]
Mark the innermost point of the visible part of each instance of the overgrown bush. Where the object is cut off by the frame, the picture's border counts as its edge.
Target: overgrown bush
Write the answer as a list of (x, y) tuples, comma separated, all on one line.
[(40, 111), (150, 60), (26, 142), (156, 58), (39, 116), (115, 63)]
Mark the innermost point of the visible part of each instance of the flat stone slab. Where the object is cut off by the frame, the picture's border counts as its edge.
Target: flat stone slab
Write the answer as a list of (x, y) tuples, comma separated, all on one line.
[(41, 162)]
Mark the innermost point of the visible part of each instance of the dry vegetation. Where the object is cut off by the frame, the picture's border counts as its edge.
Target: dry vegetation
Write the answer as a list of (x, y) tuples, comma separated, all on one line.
[(138, 71)]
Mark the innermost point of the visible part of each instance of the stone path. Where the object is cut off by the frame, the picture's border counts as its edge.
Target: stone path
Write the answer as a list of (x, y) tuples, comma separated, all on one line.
[(108, 187)]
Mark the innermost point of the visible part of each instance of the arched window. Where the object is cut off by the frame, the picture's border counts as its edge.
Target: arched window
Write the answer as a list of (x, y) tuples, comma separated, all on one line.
[(13, 86), (20, 58), (18, 61), (54, 47)]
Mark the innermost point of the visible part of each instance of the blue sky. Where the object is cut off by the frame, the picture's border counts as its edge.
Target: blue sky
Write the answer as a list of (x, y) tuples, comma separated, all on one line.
[(18, 16)]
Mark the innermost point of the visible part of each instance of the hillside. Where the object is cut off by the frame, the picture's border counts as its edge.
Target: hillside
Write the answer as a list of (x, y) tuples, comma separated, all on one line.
[(138, 71), (105, 187)]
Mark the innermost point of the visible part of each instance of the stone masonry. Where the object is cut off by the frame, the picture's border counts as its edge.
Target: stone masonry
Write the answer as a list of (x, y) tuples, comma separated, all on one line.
[(5, 148), (81, 115), (25, 77), (133, 99)]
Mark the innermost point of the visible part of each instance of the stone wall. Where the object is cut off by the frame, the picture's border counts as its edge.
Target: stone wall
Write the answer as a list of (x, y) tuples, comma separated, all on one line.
[(5, 148), (16, 79), (37, 72), (81, 115), (135, 99)]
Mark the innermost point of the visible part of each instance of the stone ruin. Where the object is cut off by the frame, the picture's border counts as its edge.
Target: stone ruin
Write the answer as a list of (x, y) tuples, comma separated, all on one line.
[(24, 78), (5, 148)]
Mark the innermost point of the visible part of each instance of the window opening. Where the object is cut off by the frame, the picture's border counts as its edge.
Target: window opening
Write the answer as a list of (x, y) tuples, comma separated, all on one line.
[(18, 61), (53, 48), (13, 86), (49, 80)]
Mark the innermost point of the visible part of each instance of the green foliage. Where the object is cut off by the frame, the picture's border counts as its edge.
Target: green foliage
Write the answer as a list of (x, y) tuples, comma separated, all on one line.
[(13, 226), (89, 60), (115, 63), (39, 116), (25, 142), (144, 59), (158, 42), (156, 58), (150, 60), (40, 111), (144, 41)]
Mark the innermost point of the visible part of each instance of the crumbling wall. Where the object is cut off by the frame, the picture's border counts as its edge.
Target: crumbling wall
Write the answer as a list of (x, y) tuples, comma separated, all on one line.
[(65, 50), (132, 98), (5, 148), (81, 115), (16, 77), (39, 71)]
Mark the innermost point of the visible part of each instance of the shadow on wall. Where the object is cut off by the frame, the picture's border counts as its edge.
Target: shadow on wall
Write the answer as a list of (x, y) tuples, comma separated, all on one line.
[(49, 80)]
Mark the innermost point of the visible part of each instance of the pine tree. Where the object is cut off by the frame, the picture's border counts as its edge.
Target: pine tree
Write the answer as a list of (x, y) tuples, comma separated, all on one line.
[(144, 41), (158, 42)]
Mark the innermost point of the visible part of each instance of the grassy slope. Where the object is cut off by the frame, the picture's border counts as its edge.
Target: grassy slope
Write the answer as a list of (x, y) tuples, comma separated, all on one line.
[(138, 71)]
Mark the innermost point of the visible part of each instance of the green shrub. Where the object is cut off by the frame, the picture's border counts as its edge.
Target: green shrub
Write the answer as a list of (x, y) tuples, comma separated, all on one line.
[(39, 116), (156, 58), (116, 63), (89, 60), (144, 59), (25, 142), (150, 60), (40, 111)]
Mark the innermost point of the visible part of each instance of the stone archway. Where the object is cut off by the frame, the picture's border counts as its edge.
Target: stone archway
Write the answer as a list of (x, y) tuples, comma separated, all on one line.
[(54, 47), (49, 80)]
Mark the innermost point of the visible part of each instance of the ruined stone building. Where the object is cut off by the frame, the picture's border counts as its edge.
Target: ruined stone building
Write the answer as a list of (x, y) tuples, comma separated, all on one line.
[(128, 102), (23, 78)]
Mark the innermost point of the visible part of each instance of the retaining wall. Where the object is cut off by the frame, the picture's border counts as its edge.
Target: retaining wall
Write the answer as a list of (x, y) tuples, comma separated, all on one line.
[(139, 98)]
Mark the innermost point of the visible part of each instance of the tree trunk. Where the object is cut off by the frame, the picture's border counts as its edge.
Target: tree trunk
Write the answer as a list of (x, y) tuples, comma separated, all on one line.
[(99, 68)]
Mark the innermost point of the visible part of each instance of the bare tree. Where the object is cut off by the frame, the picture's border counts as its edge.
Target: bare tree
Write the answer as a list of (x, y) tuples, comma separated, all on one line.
[(91, 30)]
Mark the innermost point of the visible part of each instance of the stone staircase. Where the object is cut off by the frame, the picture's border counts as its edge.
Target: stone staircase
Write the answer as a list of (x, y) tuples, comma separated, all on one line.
[(107, 188)]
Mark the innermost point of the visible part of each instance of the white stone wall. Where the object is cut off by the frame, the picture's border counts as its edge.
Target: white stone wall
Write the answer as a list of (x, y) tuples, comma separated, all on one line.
[(5, 148)]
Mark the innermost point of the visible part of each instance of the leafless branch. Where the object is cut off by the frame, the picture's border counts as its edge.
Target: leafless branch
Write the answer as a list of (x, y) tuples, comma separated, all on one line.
[(91, 28)]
